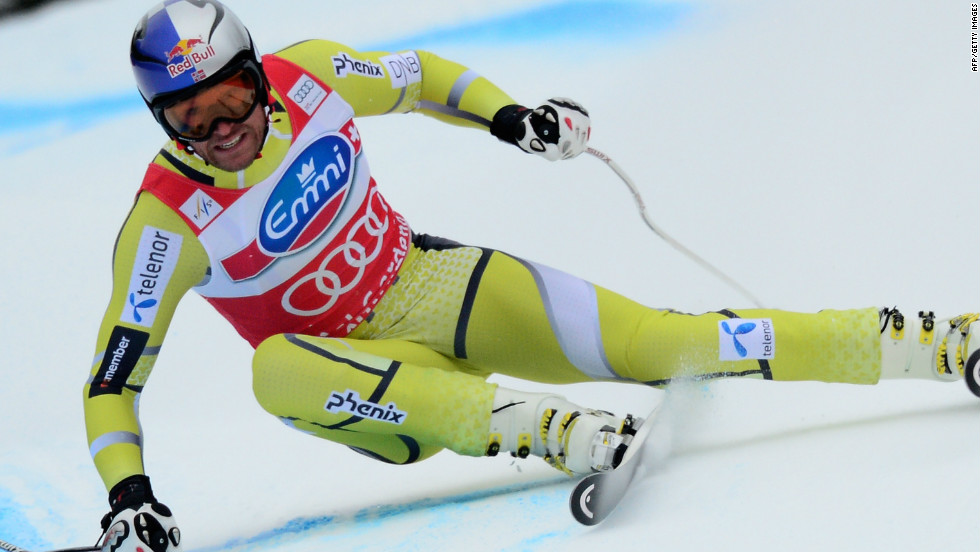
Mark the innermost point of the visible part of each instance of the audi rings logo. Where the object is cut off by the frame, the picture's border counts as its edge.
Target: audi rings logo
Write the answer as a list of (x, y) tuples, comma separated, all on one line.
[(307, 94), (308, 197), (300, 94), (350, 259)]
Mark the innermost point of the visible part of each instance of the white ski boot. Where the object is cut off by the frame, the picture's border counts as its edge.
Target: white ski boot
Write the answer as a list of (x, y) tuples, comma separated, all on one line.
[(925, 348), (571, 438)]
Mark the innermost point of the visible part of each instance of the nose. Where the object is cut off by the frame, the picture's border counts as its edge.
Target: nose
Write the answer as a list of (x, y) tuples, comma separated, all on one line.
[(223, 128)]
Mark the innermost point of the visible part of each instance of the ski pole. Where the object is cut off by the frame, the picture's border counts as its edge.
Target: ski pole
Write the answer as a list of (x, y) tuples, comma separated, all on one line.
[(666, 237)]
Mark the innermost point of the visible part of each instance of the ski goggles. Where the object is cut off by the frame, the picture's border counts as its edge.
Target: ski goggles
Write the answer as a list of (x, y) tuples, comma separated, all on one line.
[(194, 118)]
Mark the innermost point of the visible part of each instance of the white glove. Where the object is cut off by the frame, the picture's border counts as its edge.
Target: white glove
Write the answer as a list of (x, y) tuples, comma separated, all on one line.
[(137, 528), (137, 521), (559, 129)]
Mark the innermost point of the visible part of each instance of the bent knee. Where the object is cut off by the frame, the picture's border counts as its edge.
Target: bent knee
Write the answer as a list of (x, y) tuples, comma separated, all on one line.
[(268, 373)]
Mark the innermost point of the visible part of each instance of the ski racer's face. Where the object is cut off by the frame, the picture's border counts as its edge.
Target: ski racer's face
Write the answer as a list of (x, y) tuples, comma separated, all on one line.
[(223, 122), (233, 146)]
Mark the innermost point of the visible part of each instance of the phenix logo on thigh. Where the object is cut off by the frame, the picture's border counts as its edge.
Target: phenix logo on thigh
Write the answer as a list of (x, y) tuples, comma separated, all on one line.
[(746, 339), (351, 402)]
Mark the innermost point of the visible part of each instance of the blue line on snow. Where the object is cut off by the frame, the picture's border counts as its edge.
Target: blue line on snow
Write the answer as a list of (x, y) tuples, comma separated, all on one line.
[(580, 20), (76, 113), (381, 513), (589, 20)]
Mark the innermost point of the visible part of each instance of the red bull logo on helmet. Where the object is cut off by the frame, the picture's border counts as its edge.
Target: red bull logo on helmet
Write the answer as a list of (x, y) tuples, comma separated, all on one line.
[(193, 51)]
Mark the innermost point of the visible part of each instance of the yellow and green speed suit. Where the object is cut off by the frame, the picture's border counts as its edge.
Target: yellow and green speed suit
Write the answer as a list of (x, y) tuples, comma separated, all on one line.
[(406, 376)]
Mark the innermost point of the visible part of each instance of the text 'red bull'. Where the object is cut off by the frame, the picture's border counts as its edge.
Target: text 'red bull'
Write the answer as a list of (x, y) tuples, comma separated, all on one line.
[(191, 59)]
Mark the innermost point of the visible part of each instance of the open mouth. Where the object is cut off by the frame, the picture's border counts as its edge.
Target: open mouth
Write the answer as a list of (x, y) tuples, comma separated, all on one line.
[(232, 143)]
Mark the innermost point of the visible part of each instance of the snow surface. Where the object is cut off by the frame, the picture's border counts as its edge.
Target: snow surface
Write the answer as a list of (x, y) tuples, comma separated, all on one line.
[(825, 153)]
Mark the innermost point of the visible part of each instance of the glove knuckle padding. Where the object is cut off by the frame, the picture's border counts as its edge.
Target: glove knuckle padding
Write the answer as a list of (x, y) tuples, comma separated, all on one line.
[(559, 129), (568, 104), (544, 121), (151, 526)]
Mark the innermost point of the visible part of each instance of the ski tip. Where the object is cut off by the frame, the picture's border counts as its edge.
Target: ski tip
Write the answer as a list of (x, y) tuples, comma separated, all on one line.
[(580, 502), (596, 495)]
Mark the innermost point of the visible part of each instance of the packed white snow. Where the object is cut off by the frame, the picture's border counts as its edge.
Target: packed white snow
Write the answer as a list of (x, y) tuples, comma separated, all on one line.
[(822, 153)]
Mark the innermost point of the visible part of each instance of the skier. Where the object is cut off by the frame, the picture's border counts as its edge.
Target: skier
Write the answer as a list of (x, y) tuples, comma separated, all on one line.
[(368, 333)]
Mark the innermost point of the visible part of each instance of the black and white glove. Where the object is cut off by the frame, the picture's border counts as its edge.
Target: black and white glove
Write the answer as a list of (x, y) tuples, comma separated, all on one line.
[(137, 521), (559, 129)]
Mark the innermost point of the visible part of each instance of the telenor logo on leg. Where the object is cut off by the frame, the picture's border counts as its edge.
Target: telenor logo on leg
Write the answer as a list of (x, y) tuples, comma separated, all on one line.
[(746, 339)]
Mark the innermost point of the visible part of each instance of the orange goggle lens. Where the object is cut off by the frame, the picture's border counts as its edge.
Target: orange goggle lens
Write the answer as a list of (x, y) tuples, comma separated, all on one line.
[(231, 99)]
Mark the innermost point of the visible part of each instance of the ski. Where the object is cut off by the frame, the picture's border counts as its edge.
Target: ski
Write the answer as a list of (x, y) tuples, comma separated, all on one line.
[(6, 546), (596, 495)]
